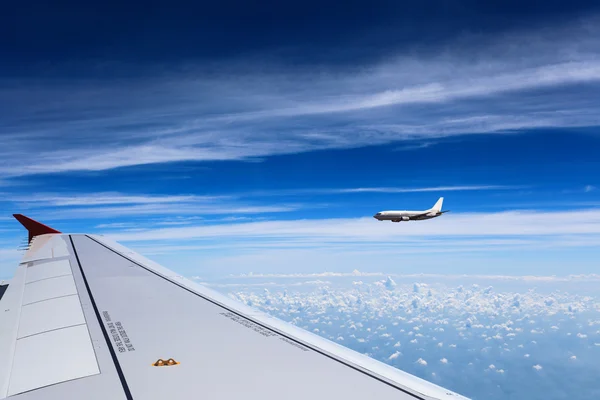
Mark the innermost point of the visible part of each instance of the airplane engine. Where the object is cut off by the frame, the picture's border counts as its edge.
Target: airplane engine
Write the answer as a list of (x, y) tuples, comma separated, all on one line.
[(405, 219)]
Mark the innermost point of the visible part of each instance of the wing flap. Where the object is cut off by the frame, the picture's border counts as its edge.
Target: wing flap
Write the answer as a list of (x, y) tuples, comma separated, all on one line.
[(52, 357), (52, 343), (47, 289), (50, 348), (42, 317), (52, 269)]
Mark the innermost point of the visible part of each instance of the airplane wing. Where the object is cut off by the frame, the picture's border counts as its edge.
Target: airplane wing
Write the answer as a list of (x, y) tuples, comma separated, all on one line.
[(86, 318)]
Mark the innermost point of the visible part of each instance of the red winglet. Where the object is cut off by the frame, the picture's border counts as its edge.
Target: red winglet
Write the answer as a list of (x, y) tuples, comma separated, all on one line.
[(33, 227)]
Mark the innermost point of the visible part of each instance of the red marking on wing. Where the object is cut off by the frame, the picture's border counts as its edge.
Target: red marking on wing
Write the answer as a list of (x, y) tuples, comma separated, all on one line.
[(33, 227)]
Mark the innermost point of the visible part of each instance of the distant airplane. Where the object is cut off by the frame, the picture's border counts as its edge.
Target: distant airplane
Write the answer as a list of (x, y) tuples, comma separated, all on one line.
[(398, 216)]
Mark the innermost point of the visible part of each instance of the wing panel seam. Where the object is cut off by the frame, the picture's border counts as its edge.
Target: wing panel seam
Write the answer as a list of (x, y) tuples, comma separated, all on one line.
[(102, 327), (45, 279), (50, 330), (51, 298)]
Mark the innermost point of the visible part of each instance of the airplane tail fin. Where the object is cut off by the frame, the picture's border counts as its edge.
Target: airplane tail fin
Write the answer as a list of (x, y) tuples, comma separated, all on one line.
[(438, 205)]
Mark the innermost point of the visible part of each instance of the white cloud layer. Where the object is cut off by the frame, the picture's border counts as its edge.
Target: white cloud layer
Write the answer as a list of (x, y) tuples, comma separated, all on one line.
[(478, 243), (488, 329), (356, 273), (569, 228)]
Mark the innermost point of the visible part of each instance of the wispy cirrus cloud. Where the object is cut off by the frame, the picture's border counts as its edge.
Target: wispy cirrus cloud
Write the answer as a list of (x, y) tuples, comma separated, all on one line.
[(109, 198), (490, 242), (520, 81), (181, 209), (484, 243), (172, 209), (350, 190), (138, 210), (501, 224), (425, 189)]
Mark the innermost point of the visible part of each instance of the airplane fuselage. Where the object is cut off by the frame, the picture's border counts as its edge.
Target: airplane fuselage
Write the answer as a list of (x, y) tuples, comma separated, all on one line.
[(405, 215)]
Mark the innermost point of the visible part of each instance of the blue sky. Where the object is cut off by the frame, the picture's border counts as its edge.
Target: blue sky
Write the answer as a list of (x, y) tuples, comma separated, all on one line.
[(229, 138)]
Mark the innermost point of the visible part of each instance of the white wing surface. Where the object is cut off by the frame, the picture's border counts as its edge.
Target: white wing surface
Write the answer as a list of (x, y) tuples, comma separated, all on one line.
[(86, 318)]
